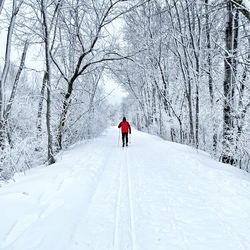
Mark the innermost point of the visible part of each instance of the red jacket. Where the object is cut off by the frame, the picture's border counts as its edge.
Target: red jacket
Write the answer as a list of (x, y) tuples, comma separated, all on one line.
[(125, 127)]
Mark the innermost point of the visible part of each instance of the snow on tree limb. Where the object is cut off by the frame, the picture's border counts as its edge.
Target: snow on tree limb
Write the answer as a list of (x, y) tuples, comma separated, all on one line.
[(243, 6)]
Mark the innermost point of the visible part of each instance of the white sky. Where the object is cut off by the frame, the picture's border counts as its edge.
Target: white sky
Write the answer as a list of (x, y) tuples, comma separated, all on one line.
[(117, 93)]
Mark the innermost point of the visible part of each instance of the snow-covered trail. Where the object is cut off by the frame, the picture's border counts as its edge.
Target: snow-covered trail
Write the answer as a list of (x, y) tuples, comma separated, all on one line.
[(152, 195)]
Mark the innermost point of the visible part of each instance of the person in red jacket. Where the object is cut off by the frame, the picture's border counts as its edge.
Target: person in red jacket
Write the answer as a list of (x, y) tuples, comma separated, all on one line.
[(125, 127)]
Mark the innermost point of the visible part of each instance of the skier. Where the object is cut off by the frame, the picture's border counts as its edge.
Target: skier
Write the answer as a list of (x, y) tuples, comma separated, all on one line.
[(125, 127)]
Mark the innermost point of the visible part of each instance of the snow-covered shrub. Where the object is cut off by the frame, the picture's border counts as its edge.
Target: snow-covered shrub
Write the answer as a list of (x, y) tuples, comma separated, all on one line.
[(23, 155)]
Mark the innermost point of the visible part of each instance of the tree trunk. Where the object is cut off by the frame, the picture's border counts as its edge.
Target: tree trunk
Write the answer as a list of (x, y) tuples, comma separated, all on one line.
[(209, 58), (196, 46), (227, 143), (210, 76), (242, 107), (235, 48), (51, 158), (40, 108), (197, 112), (190, 112), (63, 116)]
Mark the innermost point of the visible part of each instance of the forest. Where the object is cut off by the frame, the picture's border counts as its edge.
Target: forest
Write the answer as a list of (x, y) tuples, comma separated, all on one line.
[(185, 65)]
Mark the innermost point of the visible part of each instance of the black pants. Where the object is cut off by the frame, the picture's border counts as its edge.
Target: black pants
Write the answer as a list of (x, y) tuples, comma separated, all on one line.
[(124, 139)]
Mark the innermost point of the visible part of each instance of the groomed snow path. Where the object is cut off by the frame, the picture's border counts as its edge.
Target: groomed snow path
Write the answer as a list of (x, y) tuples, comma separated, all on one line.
[(152, 195)]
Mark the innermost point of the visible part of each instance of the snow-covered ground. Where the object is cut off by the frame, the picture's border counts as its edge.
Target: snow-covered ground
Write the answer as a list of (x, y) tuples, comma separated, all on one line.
[(152, 195)]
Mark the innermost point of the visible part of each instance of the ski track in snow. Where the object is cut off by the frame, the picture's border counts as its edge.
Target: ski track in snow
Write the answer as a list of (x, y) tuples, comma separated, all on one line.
[(131, 206), (153, 195), (117, 212)]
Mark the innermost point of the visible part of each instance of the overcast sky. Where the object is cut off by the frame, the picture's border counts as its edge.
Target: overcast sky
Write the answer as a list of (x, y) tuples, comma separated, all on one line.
[(115, 91)]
